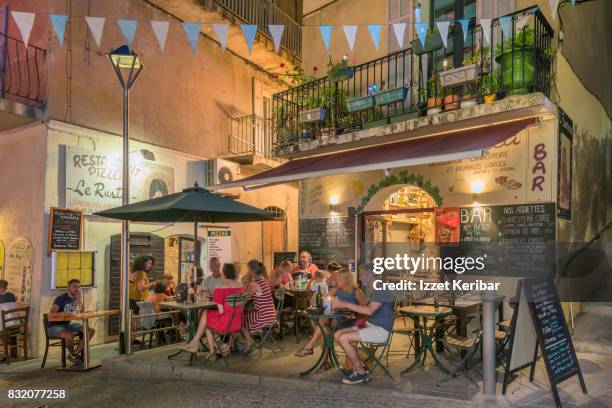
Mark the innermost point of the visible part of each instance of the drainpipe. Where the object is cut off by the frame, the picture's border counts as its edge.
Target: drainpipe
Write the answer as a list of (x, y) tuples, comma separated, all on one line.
[(488, 343)]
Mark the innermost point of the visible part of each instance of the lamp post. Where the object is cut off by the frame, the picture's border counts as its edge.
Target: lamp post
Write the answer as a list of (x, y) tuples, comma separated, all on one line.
[(127, 66)]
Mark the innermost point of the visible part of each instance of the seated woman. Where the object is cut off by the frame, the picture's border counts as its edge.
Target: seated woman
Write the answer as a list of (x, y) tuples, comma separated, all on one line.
[(218, 319), (158, 295), (280, 277), (262, 312), (345, 289)]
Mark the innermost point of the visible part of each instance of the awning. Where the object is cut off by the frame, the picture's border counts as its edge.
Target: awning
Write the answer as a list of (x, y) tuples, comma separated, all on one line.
[(461, 144)]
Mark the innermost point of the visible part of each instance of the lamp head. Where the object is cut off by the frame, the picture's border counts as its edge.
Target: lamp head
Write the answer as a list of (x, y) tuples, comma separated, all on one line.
[(123, 57)]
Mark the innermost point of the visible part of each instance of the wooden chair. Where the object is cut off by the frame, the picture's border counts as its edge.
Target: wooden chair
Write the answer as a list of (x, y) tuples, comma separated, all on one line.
[(15, 330), (55, 342), (297, 313)]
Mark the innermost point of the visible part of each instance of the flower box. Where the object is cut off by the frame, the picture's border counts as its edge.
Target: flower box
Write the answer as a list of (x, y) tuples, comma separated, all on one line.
[(360, 103), (312, 115), (391, 96), (341, 74), (459, 75)]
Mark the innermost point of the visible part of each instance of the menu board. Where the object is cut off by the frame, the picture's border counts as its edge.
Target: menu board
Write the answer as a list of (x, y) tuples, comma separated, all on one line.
[(328, 239), (283, 256), (65, 228), (517, 240)]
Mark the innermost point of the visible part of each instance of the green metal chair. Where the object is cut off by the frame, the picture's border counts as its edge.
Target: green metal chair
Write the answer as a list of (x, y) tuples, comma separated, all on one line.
[(236, 304), (266, 336)]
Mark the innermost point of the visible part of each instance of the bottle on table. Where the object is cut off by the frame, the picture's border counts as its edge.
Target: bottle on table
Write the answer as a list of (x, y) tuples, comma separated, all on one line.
[(319, 297)]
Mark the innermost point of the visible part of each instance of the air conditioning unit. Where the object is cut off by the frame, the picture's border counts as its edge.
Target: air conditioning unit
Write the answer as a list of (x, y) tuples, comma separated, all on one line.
[(219, 171)]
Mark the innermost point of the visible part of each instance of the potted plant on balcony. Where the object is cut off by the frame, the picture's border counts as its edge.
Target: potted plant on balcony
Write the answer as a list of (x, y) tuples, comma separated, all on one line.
[(434, 101), (433, 42), (451, 99), (516, 56), (340, 71), (468, 98), (389, 96)]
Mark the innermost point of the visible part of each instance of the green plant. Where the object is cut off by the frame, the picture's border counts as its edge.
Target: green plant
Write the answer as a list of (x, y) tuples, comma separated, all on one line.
[(523, 39), (434, 90), (335, 68)]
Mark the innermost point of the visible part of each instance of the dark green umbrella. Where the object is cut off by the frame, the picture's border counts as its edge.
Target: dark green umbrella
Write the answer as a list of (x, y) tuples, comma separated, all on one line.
[(193, 204)]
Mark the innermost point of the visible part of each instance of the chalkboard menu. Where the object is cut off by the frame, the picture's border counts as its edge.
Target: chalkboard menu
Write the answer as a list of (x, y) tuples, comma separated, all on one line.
[(328, 239), (65, 227), (553, 336), (283, 256), (518, 240)]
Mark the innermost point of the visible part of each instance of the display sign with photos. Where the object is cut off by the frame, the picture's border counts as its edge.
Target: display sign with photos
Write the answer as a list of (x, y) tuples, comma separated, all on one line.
[(67, 265)]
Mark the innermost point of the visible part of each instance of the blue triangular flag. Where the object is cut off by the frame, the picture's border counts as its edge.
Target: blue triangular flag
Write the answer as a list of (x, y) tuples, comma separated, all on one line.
[(417, 14), (374, 30), (421, 29), (128, 29), (326, 32), (192, 31), (464, 27), (505, 24), (534, 9), (249, 31), (59, 25)]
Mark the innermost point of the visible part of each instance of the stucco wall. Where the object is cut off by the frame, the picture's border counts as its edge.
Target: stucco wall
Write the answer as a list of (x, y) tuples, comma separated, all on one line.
[(22, 158)]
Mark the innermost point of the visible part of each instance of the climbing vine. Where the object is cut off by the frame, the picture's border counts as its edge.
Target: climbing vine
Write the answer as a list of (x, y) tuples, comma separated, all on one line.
[(402, 178)]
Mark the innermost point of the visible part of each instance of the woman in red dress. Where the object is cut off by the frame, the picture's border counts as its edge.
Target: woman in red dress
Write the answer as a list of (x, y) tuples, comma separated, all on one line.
[(218, 319), (262, 312)]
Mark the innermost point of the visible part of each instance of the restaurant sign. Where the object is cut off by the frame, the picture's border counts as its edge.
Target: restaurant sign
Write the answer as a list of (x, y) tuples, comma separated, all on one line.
[(94, 178)]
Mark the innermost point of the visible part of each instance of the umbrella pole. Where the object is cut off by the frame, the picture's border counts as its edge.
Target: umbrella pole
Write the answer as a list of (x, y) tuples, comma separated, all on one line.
[(196, 253)]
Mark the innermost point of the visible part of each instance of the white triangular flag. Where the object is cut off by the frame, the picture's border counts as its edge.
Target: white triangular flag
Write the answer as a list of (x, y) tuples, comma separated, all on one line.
[(221, 33), (24, 22), (349, 32), (398, 30), (276, 30), (96, 26), (160, 28), (443, 30), (554, 4), (522, 21), (485, 25)]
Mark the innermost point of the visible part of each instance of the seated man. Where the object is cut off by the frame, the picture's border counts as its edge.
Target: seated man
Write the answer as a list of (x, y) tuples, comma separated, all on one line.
[(377, 328), (68, 302), (5, 295)]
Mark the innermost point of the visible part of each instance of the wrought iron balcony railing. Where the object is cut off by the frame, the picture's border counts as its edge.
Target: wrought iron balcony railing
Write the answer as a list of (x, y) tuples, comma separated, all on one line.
[(263, 13), (22, 71), (251, 135), (421, 80)]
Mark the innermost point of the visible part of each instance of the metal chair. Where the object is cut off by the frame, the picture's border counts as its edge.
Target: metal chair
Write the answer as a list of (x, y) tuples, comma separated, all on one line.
[(236, 309), (266, 335), (14, 326), (371, 350)]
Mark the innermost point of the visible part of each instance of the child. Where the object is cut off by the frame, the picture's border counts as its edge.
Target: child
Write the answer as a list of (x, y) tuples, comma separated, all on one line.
[(315, 284)]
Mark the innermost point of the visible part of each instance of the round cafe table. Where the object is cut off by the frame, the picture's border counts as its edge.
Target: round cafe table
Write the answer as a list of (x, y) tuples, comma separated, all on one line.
[(328, 336), (426, 331)]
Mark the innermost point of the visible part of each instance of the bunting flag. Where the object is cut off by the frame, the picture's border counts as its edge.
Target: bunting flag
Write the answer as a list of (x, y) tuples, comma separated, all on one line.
[(326, 32), (374, 30), (160, 28), (521, 21), (398, 30), (24, 22), (192, 31), (421, 29), (443, 29), (96, 26), (485, 24), (59, 25), (349, 32), (249, 31), (554, 4), (221, 33), (464, 27), (417, 14), (128, 29), (573, 2), (505, 24), (276, 31)]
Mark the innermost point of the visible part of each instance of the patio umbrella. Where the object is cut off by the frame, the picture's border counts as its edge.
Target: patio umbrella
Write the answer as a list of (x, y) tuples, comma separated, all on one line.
[(194, 204)]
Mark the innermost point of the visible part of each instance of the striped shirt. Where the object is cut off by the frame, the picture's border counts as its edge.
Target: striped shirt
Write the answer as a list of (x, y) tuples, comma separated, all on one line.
[(263, 312)]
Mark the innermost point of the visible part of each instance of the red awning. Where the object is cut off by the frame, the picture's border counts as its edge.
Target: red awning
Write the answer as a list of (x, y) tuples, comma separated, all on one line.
[(457, 145)]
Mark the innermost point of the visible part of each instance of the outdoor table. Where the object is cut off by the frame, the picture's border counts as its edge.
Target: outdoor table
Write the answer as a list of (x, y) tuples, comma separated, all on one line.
[(328, 336), (425, 312), (190, 310), (85, 317)]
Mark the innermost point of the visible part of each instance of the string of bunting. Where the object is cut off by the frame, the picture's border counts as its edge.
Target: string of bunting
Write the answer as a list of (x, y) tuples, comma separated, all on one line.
[(129, 27)]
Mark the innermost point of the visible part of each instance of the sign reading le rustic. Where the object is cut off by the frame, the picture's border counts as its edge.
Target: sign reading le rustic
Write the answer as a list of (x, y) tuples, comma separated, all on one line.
[(65, 229), (553, 336)]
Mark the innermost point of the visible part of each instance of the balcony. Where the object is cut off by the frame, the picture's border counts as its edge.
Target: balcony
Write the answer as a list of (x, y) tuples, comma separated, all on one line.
[(23, 86), (412, 89), (250, 142), (235, 12)]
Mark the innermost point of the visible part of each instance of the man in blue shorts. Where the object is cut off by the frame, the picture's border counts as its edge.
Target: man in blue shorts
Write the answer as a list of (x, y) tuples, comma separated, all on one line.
[(69, 302)]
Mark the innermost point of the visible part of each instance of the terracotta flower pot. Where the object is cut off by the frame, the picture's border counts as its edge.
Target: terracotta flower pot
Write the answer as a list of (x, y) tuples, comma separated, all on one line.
[(451, 102), (433, 102)]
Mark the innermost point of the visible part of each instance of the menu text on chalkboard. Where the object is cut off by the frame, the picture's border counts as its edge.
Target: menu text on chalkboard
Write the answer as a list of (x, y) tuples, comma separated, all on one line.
[(328, 239), (65, 229)]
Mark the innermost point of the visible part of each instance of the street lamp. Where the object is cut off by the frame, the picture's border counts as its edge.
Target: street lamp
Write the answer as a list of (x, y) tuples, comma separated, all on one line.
[(127, 66)]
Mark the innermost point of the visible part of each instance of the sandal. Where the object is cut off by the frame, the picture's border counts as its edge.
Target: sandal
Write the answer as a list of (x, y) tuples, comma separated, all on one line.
[(323, 367), (187, 347), (303, 352)]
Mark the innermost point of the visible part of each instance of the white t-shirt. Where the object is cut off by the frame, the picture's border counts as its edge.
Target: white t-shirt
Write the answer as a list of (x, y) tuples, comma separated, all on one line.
[(314, 288), (211, 283)]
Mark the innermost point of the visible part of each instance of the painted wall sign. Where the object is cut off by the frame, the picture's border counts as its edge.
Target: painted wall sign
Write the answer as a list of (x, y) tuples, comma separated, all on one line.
[(93, 179), (219, 244), (19, 264), (65, 229), (564, 170)]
